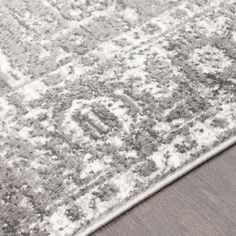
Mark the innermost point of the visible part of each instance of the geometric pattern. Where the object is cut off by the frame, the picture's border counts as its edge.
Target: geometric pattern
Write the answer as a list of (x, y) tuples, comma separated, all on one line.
[(102, 99)]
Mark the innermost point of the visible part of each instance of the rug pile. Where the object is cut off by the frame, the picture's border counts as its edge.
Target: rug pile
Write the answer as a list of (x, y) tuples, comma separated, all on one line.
[(104, 102)]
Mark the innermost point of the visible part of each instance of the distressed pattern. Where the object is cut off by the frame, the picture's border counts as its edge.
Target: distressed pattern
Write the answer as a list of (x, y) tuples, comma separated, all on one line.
[(101, 99)]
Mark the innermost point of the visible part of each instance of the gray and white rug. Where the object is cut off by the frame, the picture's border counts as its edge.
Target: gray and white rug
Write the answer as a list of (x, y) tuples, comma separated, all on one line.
[(104, 102)]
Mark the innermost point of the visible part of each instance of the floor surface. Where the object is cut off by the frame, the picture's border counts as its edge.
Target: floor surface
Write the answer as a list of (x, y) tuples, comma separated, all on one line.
[(201, 203)]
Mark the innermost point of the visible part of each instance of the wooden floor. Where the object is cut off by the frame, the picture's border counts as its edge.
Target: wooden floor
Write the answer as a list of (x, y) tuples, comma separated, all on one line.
[(201, 203)]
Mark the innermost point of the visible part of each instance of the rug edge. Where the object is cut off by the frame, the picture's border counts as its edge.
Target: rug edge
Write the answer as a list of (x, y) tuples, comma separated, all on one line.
[(158, 186)]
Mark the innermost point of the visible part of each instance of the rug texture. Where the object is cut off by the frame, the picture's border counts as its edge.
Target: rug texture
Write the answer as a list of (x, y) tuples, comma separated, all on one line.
[(104, 102)]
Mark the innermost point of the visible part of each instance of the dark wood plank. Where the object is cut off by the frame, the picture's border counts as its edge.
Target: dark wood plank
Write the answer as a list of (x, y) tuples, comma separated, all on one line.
[(201, 203)]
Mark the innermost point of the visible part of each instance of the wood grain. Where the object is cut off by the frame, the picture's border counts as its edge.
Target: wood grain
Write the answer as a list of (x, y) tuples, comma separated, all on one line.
[(201, 203)]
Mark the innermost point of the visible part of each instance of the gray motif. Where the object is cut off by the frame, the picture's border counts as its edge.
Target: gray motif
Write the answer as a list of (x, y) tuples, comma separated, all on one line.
[(102, 99)]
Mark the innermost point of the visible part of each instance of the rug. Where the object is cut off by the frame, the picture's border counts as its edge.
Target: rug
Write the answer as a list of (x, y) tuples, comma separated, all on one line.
[(105, 102)]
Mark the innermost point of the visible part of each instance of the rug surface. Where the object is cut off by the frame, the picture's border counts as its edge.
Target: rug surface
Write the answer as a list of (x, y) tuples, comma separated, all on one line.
[(102, 102)]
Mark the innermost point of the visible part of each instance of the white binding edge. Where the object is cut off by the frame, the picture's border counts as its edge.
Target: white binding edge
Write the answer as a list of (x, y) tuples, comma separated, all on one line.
[(157, 187)]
